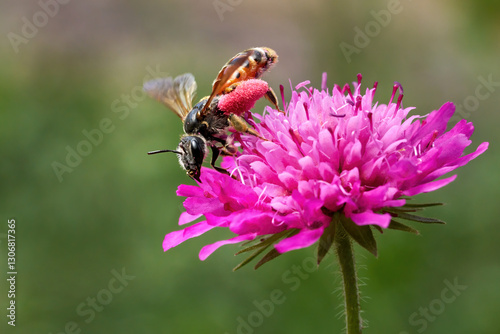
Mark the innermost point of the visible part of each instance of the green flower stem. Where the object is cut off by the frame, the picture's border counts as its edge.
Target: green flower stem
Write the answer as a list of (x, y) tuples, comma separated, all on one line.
[(345, 254)]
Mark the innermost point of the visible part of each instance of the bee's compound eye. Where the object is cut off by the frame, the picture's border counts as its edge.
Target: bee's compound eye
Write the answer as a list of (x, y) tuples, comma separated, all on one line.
[(191, 122), (197, 146)]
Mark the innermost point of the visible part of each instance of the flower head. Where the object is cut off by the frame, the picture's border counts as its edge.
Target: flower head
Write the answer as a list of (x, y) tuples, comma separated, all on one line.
[(333, 153)]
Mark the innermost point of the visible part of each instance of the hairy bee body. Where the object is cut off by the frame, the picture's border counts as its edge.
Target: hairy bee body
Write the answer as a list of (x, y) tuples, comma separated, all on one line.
[(213, 122)]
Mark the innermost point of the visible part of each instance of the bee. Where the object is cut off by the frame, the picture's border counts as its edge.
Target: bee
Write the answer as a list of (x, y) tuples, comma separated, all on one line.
[(205, 124)]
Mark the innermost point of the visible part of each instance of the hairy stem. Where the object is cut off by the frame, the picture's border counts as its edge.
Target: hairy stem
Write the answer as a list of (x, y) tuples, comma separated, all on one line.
[(345, 255)]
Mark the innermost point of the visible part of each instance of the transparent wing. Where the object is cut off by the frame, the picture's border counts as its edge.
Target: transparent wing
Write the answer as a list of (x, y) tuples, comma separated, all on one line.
[(177, 94), (224, 75)]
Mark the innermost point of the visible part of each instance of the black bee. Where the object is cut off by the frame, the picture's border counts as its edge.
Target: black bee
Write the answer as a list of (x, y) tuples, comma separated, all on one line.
[(205, 124)]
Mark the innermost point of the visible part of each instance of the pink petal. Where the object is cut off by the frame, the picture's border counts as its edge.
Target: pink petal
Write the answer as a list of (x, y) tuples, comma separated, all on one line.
[(187, 218), (304, 238), (326, 143), (466, 158), (253, 221), (403, 169), (289, 179), (202, 205), (207, 250), (376, 197), (309, 167), (437, 120), (332, 196), (189, 191), (430, 186), (177, 237), (264, 171), (370, 218)]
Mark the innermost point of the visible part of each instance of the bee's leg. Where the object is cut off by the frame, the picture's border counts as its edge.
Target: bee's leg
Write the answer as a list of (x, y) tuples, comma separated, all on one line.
[(226, 149), (271, 97), (240, 125), (215, 155)]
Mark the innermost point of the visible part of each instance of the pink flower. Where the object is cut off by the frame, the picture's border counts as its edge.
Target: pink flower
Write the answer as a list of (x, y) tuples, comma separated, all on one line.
[(332, 152)]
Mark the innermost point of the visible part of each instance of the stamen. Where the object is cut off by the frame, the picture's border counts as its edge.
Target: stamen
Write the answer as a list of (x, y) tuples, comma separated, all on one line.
[(302, 84), (338, 116), (416, 150), (237, 169), (375, 85), (342, 115), (296, 140), (394, 90), (282, 91), (399, 104), (273, 221), (396, 83), (359, 78), (262, 194), (358, 104), (401, 94), (347, 89), (349, 101), (431, 141), (323, 82)]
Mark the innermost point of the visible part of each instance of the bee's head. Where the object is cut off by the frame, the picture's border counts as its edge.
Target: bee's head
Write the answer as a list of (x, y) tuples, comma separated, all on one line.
[(194, 149)]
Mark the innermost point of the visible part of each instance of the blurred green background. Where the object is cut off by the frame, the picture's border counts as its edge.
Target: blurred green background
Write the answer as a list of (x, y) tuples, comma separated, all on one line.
[(71, 68)]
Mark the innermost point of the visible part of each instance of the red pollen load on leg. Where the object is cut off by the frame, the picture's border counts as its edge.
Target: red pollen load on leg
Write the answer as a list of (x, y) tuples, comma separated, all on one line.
[(243, 97)]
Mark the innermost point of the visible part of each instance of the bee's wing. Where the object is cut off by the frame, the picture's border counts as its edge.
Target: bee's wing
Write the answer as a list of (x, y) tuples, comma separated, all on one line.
[(224, 75), (177, 94)]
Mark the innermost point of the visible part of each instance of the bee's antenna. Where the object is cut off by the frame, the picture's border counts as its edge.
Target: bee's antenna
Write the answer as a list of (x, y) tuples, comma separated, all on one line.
[(163, 151)]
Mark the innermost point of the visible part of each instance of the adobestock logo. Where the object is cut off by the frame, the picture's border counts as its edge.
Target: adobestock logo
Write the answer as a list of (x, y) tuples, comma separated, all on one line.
[(483, 91), (222, 6), (30, 28), (372, 29), (88, 310), (263, 309), (430, 312)]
